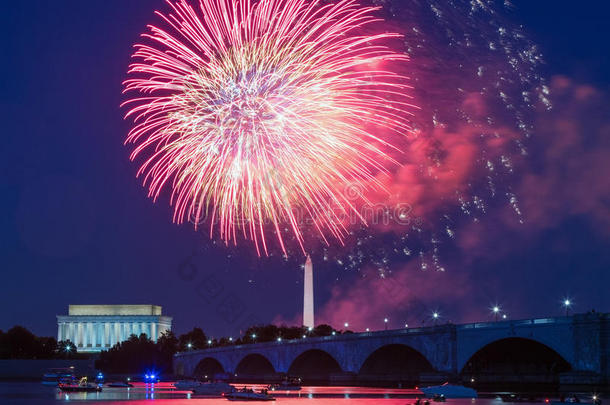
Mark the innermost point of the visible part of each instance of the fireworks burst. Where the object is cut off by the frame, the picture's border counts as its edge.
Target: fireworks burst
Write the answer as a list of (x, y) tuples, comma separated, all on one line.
[(260, 112)]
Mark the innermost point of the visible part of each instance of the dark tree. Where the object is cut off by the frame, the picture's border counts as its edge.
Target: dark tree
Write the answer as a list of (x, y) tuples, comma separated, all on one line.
[(293, 332), (268, 333), (224, 342), (322, 330), (4, 353), (48, 347), (20, 343), (135, 355), (168, 342), (196, 338), (262, 333), (66, 350)]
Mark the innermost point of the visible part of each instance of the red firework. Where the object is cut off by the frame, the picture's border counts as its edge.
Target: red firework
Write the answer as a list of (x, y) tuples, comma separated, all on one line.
[(256, 112)]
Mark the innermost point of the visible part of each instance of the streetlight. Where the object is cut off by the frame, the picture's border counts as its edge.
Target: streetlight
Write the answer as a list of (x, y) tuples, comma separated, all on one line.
[(279, 339), (209, 342), (368, 330), (567, 304), (189, 345), (385, 321), (435, 316), (230, 338), (406, 325), (346, 324), (496, 311)]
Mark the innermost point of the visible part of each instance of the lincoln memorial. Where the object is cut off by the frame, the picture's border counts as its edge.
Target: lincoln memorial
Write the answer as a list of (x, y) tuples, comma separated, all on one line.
[(93, 328)]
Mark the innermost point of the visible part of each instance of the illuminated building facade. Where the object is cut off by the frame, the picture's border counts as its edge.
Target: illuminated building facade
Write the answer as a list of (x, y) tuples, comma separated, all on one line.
[(93, 328)]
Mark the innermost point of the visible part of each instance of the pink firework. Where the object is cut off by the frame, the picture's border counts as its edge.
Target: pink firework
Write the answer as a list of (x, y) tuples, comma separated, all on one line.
[(257, 114)]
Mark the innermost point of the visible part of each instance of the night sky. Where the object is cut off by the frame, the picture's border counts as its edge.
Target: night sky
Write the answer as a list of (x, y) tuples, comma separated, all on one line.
[(78, 228)]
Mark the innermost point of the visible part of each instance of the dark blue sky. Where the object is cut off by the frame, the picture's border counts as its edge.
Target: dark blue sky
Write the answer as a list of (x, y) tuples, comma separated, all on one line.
[(77, 226)]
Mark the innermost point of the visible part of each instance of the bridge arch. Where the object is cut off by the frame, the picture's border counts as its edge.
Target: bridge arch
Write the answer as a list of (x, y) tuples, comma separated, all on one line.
[(400, 361), (254, 364), (314, 362), (476, 345), (516, 358), (208, 367)]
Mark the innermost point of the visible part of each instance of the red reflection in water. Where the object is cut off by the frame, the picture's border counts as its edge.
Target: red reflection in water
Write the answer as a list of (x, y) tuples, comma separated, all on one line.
[(165, 393)]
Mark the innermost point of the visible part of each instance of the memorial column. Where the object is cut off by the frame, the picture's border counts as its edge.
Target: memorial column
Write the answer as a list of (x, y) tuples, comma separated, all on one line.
[(79, 334), (99, 334), (85, 334), (91, 333), (153, 331), (117, 332), (104, 334)]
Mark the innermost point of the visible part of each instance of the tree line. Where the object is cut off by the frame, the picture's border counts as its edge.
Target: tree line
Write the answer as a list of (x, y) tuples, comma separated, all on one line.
[(140, 353), (19, 343)]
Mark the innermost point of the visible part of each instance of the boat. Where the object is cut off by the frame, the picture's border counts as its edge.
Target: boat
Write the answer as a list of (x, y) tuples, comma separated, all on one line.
[(516, 398), (53, 376), (247, 394), (449, 391), (293, 384), (82, 386), (595, 402), (212, 388), (120, 384), (187, 385), (574, 399), (151, 378), (99, 378)]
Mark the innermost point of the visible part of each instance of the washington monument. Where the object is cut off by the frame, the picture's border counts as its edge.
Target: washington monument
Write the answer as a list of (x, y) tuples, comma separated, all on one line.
[(308, 295)]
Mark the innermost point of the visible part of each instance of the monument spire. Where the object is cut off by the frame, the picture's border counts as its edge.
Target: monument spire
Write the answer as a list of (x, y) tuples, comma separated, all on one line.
[(308, 294)]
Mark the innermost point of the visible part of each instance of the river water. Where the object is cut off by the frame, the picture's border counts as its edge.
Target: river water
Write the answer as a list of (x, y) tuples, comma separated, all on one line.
[(22, 393)]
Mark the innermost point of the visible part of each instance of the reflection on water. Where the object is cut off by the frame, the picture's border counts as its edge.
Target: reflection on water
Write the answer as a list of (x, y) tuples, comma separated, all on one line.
[(164, 393)]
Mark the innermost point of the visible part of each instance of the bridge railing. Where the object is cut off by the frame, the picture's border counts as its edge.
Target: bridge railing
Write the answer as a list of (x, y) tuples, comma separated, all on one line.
[(406, 331), (519, 322)]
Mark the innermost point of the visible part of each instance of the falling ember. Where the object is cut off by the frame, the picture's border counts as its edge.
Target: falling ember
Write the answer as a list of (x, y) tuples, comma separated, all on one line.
[(254, 111)]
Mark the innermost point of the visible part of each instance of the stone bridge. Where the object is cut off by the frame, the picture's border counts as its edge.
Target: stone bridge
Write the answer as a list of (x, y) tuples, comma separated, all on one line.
[(575, 349)]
